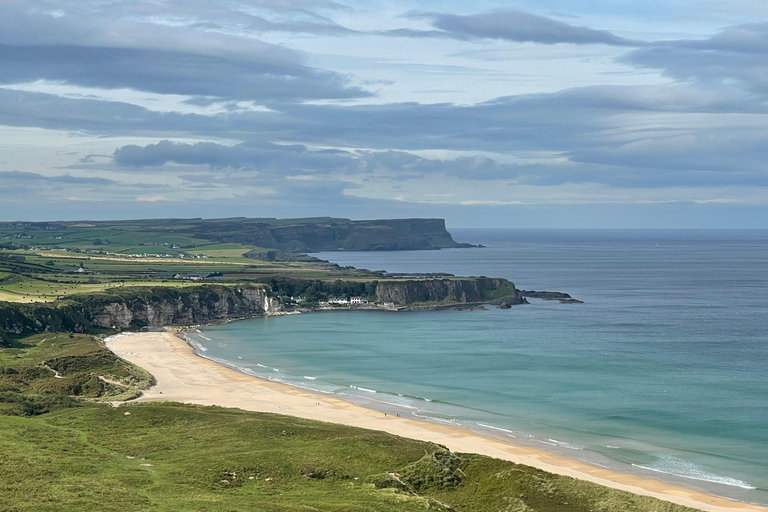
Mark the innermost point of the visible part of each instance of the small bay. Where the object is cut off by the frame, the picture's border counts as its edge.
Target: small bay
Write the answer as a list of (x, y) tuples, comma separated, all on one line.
[(661, 372)]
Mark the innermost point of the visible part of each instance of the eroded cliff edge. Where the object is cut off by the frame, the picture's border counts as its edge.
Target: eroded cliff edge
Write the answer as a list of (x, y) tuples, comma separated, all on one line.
[(136, 308)]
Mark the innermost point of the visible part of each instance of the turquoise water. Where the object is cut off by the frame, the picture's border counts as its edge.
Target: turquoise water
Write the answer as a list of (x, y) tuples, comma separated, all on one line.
[(662, 372)]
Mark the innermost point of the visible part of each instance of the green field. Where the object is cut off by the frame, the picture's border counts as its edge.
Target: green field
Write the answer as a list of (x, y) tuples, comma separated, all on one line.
[(45, 275)]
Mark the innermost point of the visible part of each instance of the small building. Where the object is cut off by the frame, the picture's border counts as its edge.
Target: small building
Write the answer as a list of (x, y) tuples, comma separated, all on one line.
[(357, 301), (342, 301)]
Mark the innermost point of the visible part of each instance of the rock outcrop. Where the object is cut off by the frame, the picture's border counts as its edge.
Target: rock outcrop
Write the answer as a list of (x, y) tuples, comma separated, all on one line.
[(458, 291), (564, 298)]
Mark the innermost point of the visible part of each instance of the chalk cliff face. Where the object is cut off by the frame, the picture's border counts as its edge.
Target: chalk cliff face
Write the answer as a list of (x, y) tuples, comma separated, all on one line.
[(403, 293), (193, 308), (136, 308)]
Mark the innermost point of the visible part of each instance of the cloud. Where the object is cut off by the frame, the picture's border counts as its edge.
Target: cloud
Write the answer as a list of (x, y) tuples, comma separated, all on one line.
[(252, 77), (145, 23), (509, 25), (264, 157), (732, 59), (60, 179), (293, 160)]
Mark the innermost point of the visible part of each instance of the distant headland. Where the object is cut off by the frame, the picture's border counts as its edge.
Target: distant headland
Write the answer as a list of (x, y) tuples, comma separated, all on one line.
[(285, 235)]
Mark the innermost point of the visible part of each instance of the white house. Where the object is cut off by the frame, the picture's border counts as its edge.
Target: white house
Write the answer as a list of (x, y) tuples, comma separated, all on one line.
[(356, 301)]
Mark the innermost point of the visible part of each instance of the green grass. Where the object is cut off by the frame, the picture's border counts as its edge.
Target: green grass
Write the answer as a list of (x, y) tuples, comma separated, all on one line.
[(28, 290), (178, 457), (52, 371)]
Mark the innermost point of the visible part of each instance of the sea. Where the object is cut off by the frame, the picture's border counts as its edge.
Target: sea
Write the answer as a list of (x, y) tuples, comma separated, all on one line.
[(661, 372)]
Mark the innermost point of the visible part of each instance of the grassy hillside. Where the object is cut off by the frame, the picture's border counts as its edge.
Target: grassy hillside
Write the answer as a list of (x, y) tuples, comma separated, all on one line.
[(178, 457), (53, 371)]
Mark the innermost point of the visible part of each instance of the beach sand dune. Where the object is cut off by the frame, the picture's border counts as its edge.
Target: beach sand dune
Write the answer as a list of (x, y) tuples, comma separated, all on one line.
[(182, 376)]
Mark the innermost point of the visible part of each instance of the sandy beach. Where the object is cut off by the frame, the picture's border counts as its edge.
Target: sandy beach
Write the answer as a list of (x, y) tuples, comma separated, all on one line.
[(182, 376)]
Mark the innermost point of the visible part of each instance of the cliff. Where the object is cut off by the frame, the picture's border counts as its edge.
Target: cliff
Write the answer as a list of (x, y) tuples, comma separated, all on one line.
[(329, 234), (205, 304), (136, 308), (459, 291)]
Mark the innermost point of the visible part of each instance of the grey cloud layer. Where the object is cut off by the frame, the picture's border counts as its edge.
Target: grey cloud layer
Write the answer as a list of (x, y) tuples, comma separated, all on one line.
[(510, 25), (251, 78), (61, 179), (705, 129), (736, 57), (286, 160)]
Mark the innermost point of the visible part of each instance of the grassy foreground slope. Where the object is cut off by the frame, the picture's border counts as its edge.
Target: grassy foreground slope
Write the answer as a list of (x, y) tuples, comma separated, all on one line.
[(62, 448), (181, 457)]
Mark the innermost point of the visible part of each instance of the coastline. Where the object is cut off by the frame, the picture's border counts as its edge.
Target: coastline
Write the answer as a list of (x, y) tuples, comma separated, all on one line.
[(183, 376)]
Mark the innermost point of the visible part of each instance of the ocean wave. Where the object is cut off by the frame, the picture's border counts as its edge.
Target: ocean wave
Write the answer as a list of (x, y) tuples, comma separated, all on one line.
[(310, 378), (261, 365), (510, 433), (363, 389), (434, 419), (384, 398), (562, 444), (206, 338), (678, 467), (196, 345)]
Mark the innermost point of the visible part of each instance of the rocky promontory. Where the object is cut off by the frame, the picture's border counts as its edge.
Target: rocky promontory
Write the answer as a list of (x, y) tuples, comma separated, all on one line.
[(441, 291)]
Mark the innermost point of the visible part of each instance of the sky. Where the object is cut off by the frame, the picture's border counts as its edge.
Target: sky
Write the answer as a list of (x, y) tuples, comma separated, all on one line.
[(568, 114)]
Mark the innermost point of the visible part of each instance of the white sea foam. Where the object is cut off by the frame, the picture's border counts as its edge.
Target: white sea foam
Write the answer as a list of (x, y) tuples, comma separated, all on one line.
[(196, 345), (363, 389), (276, 369), (679, 467), (199, 333), (261, 365), (510, 433), (310, 378), (563, 444), (435, 419)]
